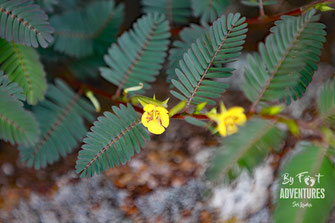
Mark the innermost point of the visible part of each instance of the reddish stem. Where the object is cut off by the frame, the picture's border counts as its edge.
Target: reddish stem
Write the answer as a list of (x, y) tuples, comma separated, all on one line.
[(84, 86), (265, 19), (261, 9)]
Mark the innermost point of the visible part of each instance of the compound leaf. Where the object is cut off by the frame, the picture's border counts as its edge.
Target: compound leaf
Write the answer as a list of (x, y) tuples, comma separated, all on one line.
[(61, 116), (112, 141), (176, 11), (12, 88), (81, 32), (188, 35), (205, 59), (245, 149), (139, 53), (24, 22), (17, 125), (286, 62), (209, 10), (22, 65)]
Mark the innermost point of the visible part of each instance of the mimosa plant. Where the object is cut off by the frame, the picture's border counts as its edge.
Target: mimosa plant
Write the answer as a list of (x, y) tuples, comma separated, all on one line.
[(48, 117)]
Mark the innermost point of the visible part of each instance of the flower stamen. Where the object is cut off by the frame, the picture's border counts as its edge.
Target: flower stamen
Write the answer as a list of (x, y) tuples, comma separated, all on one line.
[(155, 118)]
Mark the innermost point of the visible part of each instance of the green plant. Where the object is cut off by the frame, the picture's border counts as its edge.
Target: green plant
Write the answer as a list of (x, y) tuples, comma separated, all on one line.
[(176, 11), (80, 33), (25, 23), (48, 117)]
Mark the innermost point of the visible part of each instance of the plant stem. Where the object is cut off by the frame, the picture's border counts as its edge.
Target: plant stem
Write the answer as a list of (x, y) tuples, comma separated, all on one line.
[(293, 12), (261, 9)]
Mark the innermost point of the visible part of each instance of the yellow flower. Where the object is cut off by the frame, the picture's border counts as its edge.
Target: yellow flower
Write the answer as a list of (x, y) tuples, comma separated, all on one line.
[(155, 118), (228, 119)]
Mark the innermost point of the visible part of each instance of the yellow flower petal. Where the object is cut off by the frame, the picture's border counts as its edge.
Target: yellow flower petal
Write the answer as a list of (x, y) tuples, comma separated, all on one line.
[(222, 130), (231, 129), (145, 119), (241, 119), (162, 110), (165, 119), (238, 114), (155, 118), (228, 120), (236, 110), (155, 127), (149, 107)]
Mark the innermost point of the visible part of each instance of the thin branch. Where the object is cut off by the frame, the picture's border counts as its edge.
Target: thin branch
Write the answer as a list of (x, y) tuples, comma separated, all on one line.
[(303, 125), (268, 19), (261, 9), (293, 12)]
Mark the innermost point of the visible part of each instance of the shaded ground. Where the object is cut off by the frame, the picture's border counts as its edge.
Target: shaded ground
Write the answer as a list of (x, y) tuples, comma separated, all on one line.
[(161, 184)]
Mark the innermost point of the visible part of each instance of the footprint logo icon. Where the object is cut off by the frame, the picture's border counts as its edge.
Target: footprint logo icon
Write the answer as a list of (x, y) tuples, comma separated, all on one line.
[(309, 181)]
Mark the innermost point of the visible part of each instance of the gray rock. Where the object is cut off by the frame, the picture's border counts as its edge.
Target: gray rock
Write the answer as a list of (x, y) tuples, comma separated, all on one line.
[(90, 200), (246, 196), (168, 203)]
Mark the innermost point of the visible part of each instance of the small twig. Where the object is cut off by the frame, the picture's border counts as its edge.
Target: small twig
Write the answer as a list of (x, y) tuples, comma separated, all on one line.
[(293, 12), (261, 9), (267, 19), (301, 123), (83, 86)]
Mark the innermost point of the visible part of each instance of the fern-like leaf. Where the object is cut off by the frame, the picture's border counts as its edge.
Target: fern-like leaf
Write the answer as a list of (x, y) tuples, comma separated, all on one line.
[(139, 53), (245, 149), (22, 65), (84, 31), (61, 116), (187, 36), (326, 103), (204, 60), (176, 11), (209, 10), (311, 160), (24, 22), (12, 88), (16, 124), (287, 60), (112, 141), (47, 5)]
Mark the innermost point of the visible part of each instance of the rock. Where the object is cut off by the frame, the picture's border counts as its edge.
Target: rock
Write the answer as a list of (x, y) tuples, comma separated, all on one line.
[(244, 197), (90, 200), (169, 204)]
